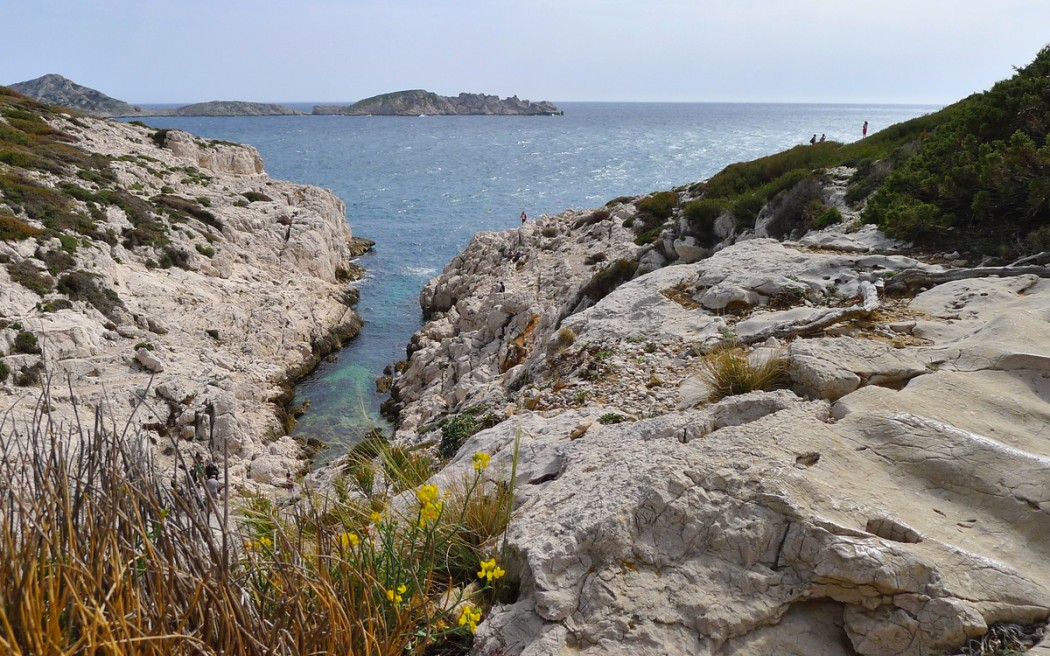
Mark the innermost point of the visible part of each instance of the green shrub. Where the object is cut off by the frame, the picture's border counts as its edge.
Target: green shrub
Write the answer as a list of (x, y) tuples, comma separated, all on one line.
[(829, 216), (25, 342), (26, 274), (174, 257), (206, 251), (661, 204), (649, 236), (83, 286), (5, 371), (12, 229), (256, 196), (605, 280), (213, 333), (979, 181), (611, 418), (56, 261), (701, 216), (56, 305), (459, 428)]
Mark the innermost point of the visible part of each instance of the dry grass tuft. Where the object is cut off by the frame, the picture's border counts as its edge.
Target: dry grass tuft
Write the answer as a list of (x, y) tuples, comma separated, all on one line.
[(730, 370)]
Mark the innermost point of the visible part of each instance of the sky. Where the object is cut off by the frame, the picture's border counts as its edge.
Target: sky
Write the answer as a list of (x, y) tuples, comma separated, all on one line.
[(829, 51)]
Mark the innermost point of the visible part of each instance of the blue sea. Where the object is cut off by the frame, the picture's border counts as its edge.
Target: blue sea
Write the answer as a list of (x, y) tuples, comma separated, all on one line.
[(421, 186)]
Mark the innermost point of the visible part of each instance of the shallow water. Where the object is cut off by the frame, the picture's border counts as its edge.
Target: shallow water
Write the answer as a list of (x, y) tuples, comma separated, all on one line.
[(421, 186)]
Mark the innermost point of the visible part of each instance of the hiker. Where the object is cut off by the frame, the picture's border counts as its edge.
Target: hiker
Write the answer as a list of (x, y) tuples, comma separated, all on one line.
[(523, 217), (822, 137), (211, 470), (500, 287), (813, 140), (197, 469), (864, 130), (213, 486)]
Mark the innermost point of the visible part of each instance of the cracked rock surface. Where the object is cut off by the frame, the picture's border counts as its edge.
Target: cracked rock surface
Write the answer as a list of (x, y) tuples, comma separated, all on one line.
[(894, 499)]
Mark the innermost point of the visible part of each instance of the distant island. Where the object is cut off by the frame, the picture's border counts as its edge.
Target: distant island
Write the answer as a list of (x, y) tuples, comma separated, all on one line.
[(56, 90), (418, 102)]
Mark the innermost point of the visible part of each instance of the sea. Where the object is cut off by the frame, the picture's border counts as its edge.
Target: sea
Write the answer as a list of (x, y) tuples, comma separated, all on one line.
[(420, 187)]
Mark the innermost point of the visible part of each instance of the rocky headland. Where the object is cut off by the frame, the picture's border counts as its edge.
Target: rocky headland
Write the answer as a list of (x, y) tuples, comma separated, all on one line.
[(418, 102), (888, 500), (885, 493), (53, 89), (166, 281)]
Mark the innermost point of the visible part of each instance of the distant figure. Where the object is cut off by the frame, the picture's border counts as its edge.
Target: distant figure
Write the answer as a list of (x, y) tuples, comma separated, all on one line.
[(813, 140), (864, 131), (500, 287), (523, 217), (822, 138)]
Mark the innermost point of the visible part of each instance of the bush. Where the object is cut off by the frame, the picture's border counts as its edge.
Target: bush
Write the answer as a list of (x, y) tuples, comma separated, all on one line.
[(549, 231), (979, 182), (255, 196), (25, 342), (83, 286), (458, 429), (206, 251), (828, 217), (12, 229), (5, 371), (701, 216), (611, 418), (26, 274), (729, 370), (604, 281), (661, 204)]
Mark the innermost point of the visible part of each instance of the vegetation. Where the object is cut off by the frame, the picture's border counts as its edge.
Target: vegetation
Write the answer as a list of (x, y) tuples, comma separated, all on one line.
[(103, 556), (256, 196), (458, 429), (729, 370), (26, 273), (604, 281), (25, 342), (980, 181), (84, 286), (611, 418)]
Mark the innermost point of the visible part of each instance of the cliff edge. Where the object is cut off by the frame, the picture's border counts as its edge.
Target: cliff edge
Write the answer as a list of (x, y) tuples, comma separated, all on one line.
[(166, 280)]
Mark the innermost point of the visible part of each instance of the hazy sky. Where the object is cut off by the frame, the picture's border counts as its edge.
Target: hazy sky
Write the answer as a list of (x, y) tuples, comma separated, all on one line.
[(891, 51)]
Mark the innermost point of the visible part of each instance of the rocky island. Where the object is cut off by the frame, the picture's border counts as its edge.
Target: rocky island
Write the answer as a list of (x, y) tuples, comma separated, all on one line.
[(426, 103), (54, 89)]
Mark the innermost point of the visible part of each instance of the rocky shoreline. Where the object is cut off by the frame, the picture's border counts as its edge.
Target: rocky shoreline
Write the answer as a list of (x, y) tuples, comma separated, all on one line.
[(889, 500), (225, 286)]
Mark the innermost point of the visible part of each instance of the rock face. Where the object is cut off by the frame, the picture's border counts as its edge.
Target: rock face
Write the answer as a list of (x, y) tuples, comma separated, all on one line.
[(200, 289), (425, 103), (892, 499), (56, 90)]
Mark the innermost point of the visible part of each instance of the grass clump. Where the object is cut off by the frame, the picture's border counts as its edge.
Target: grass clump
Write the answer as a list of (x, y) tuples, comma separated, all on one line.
[(256, 196), (611, 418), (730, 370), (25, 273), (103, 555)]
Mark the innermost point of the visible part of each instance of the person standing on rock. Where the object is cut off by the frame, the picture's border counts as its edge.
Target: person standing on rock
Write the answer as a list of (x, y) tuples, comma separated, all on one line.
[(813, 140), (864, 130), (821, 140), (523, 217)]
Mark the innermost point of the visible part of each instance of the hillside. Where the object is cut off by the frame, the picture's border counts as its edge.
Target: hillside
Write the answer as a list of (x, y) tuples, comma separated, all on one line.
[(136, 259), (52, 89), (425, 103)]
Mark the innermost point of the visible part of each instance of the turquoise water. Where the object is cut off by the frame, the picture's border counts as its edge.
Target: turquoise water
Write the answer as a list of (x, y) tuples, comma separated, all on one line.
[(421, 186)]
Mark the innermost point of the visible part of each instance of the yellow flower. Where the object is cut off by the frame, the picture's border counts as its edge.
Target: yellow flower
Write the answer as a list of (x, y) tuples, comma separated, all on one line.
[(490, 571), (349, 539), (376, 517), (395, 597), (266, 542), (481, 460), (427, 494), (470, 618), (430, 512)]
